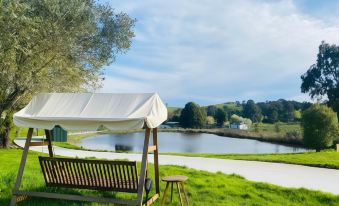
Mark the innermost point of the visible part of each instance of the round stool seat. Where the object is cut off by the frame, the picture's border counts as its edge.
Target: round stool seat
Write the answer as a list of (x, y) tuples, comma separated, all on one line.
[(175, 178), (179, 181)]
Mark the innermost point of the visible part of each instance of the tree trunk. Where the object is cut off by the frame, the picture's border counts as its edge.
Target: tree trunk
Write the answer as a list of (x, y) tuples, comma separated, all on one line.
[(4, 136), (6, 125)]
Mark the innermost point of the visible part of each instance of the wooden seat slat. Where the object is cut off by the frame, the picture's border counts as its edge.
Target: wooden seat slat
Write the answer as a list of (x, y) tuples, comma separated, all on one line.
[(90, 174)]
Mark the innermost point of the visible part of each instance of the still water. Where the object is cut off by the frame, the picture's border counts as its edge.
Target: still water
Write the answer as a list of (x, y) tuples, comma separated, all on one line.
[(185, 142)]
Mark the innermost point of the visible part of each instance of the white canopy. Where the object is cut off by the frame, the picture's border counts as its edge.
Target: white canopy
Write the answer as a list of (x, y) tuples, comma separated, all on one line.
[(88, 111)]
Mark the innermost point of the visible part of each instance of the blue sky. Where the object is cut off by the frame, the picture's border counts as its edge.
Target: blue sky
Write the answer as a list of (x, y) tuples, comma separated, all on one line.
[(217, 51)]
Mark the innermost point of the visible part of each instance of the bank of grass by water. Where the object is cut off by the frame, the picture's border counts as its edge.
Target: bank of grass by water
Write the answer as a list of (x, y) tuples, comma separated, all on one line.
[(204, 188), (325, 159)]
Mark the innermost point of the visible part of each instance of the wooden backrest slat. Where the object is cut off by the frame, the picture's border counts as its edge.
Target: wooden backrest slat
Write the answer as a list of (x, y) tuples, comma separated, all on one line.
[(129, 168), (108, 176), (101, 171), (91, 170), (127, 176), (113, 176), (69, 173), (104, 171), (121, 177), (66, 174), (117, 173), (133, 179), (74, 179), (98, 175), (43, 170), (81, 174), (46, 170), (78, 172), (84, 172), (54, 169), (50, 173)]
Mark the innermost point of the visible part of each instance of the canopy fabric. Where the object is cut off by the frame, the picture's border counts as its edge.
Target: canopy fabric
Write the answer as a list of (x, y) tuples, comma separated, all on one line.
[(88, 111)]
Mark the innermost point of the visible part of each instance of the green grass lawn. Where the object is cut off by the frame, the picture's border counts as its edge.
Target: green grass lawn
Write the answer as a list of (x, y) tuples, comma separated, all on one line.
[(203, 188), (327, 158)]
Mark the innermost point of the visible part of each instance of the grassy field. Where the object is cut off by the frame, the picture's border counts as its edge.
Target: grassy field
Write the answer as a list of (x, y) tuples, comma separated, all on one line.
[(327, 158), (282, 128), (203, 188)]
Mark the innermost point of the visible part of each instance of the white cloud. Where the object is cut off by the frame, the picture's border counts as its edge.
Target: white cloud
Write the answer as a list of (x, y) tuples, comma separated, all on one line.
[(216, 51)]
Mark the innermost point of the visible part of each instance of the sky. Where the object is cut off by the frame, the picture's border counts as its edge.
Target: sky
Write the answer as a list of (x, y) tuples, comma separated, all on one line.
[(218, 51)]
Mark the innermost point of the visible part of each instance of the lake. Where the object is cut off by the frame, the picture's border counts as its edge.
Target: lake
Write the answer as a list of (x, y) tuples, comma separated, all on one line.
[(185, 143)]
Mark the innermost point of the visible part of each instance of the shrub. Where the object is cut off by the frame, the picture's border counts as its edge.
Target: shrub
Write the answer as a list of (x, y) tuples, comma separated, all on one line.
[(320, 127), (192, 116)]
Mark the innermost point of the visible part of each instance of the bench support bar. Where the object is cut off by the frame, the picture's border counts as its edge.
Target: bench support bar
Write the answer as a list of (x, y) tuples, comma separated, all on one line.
[(76, 197)]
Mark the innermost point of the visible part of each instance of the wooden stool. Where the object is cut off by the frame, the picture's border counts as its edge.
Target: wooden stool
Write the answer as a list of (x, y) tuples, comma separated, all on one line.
[(179, 181)]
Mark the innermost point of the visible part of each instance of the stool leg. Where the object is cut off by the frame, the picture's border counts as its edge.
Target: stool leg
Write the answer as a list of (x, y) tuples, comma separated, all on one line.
[(185, 192), (179, 191), (165, 193), (172, 192)]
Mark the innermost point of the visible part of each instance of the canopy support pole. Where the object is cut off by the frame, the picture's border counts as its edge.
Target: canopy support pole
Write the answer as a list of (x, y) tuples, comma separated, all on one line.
[(143, 166), (156, 161), (49, 141), (22, 167)]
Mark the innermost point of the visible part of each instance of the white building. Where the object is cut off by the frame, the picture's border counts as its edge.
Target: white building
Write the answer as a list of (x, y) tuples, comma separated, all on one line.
[(236, 125)]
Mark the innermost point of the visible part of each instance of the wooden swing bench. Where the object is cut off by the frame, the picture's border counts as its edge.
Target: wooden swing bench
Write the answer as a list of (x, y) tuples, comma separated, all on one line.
[(119, 176), (105, 175)]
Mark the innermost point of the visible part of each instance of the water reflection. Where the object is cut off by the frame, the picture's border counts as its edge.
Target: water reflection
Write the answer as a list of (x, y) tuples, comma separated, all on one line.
[(185, 142)]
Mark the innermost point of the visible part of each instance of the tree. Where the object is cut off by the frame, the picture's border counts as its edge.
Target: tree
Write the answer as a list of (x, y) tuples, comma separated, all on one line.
[(192, 116), (210, 120), (288, 111), (55, 46), (252, 111), (220, 116), (320, 126), (322, 78), (211, 110)]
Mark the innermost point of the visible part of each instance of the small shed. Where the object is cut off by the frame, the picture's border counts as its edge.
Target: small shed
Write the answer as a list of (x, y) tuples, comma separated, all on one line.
[(237, 125), (59, 134)]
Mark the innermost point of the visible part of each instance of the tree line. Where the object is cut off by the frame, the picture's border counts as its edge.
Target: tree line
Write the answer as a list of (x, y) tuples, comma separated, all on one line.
[(192, 115)]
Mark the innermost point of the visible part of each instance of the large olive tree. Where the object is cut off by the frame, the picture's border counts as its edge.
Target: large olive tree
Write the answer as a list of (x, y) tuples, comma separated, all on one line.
[(55, 46)]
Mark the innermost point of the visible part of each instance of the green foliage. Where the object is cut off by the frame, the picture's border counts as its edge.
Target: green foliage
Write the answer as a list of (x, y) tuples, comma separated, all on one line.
[(220, 116), (320, 126), (322, 78), (192, 116), (252, 111), (174, 114), (256, 127), (56, 46), (211, 110), (297, 115), (277, 127), (210, 120), (238, 119)]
